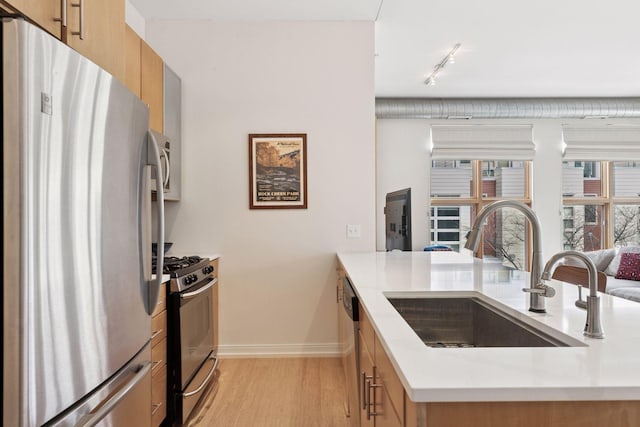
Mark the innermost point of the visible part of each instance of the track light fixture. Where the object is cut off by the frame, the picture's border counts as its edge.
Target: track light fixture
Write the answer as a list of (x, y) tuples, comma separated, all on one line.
[(449, 59)]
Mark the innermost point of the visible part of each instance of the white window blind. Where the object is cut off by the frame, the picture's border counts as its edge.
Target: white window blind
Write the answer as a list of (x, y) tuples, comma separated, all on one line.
[(482, 142), (601, 143)]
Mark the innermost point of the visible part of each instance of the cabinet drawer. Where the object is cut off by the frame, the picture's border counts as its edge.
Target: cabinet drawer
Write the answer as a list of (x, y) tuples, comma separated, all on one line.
[(387, 376), (162, 300), (159, 396), (158, 356), (158, 328), (366, 330)]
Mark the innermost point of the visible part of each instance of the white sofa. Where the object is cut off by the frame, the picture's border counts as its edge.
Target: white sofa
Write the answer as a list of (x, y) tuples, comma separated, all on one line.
[(608, 261)]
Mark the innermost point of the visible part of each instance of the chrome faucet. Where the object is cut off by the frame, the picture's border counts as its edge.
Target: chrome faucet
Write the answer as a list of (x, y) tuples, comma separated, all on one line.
[(537, 288), (593, 327)]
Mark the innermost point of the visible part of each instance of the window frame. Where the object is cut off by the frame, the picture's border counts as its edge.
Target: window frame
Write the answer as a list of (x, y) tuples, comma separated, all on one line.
[(607, 200)]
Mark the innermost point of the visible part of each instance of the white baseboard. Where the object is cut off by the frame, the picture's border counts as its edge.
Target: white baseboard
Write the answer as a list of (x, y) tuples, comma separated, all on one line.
[(279, 350)]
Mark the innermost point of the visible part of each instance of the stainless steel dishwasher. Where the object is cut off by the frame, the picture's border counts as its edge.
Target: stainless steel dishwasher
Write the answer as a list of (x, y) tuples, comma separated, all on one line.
[(350, 350)]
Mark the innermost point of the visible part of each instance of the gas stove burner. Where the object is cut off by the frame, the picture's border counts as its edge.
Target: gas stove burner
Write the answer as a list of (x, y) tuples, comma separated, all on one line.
[(175, 264)]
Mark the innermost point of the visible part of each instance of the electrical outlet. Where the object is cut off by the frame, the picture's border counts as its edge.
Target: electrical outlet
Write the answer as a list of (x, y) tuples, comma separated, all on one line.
[(353, 231)]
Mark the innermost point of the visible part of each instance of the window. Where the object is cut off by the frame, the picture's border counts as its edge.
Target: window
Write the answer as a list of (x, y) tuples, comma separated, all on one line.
[(590, 214), (601, 173), (472, 166), (460, 189), (449, 224), (614, 194)]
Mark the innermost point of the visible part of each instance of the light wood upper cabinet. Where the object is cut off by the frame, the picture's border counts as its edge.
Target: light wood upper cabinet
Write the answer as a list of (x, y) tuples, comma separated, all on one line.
[(46, 13), (95, 28), (151, 85), (132, 63)]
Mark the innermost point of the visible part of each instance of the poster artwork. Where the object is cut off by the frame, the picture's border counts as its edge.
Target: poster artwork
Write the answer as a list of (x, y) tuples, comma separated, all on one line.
[(278, 171)]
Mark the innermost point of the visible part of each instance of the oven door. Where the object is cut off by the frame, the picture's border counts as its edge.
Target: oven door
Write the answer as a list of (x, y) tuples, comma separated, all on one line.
[(196, 328)]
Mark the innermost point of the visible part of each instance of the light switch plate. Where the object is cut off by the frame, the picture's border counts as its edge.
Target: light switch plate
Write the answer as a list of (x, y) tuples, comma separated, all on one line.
[(353, 231)]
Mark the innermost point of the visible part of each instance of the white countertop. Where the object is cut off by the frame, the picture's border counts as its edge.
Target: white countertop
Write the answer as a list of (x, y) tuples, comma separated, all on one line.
[(603, 369)]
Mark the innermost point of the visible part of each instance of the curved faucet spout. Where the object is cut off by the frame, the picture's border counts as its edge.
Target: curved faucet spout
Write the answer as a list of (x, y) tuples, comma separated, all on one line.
[(592, 327), (473, 239)]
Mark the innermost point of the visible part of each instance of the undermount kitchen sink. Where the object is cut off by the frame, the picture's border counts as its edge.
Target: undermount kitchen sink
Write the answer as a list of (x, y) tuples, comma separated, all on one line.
[(458, 322)]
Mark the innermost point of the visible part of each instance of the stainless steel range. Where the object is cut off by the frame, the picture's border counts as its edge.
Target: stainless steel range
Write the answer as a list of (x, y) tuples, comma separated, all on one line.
[(191, 353)]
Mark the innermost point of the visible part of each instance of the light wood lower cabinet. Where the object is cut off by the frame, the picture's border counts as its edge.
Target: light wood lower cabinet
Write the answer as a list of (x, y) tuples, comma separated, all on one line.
[(216, 306), (159, 359), (159, 396), (393, 408), (391, 390), (366, 382), (531, 414), (381, 391)]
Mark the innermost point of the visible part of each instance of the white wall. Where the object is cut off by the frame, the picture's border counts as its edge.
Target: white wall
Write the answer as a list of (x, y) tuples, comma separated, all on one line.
[(277, 267), (399, 141), (402, 161), (134, 19)]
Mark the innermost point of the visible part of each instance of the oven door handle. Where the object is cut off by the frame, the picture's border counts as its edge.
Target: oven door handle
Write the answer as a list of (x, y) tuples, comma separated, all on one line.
[(206, 380), (188, 295)]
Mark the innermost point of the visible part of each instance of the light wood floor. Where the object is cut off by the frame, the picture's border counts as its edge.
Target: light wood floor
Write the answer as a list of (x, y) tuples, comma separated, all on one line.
[(288, 392)]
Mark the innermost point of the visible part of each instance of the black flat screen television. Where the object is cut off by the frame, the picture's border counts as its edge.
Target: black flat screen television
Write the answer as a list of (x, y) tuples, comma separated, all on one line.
[(397, 218)]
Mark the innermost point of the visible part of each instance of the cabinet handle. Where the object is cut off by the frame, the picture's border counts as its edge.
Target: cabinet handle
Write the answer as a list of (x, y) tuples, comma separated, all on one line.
[(369, 403), (156, 333), (364, 389), (155, 408), (80, 32), (63, 12), (156, 363)]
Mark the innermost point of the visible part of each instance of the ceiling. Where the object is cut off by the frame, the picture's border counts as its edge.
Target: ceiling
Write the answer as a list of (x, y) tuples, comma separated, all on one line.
[(542, 48)]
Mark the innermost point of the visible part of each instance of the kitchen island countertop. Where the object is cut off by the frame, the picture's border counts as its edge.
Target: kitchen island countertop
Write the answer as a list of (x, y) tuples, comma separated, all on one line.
[(596, 369)]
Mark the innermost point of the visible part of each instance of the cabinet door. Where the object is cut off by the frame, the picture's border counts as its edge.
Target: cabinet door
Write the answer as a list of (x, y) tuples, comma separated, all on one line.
[(151, 85), (392, 390), (216, 306), (95, 28), (132, 73), (46, 13), (386, 416)]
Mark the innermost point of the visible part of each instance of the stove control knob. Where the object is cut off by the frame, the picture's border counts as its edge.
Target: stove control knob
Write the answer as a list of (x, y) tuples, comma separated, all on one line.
[(208, 269)]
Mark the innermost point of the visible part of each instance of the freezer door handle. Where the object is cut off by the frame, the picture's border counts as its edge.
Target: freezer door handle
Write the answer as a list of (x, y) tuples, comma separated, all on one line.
[(103, 409)]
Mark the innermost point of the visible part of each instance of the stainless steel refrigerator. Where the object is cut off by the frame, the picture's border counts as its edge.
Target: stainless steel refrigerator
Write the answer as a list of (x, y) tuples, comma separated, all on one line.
[(77, 284)]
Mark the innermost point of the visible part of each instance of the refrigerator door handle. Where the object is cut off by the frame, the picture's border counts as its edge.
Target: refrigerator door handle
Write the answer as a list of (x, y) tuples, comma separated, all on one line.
[(107, 406), (154, 160)]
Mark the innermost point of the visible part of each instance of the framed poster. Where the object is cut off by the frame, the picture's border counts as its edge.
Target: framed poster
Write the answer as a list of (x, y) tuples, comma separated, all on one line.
[(278, 171)]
